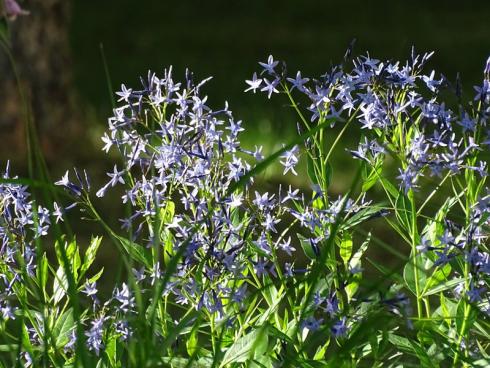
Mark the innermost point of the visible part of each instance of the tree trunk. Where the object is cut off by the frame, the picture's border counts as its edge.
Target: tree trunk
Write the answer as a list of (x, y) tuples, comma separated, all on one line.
[(39, 43)]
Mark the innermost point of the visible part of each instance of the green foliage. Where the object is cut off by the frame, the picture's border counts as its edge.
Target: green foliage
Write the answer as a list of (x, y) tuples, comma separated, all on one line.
[(203, 280)]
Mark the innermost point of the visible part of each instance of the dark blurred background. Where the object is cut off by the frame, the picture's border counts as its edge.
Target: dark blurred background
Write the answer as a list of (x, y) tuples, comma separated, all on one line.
[(57, 49), (58, 53)]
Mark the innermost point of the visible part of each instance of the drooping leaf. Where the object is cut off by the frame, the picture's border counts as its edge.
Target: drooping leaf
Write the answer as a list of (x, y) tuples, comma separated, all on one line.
[(310, 250), (26, 341), (355, 261), (391, 190)]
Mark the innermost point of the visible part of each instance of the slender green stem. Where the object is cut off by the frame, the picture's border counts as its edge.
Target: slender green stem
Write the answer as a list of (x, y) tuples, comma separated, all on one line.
[(414, 236), (339, 136), (436, 189)]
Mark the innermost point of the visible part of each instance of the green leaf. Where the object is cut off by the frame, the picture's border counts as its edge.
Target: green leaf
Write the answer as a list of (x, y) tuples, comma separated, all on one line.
[(387, 273), (465, 317), (363, 215), (410, 347), (409, 274), (390, 188), (168, 246), (371, 178), (71, 249), (352, 287), (483, 363), (60, 285), (346, 247), (110, 350), (192, 343), (76, 262), (274, 332), (167, 215), (355, 262), (321, 351), (176, 362), (26, 341), (450, 284), (443, 211), (264, 361), (373, 342), (97, 276), (310, 251), (90, 254), (403, 212), (101, 364), (68, 247), (63, 327), (167, 237), (253, 344), (72, 255), (42, 274), (136, 251), (274, 299), (435, 227), (447, 310)]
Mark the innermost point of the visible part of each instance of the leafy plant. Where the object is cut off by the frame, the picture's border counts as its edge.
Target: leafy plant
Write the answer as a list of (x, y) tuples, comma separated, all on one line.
[(218, 273)]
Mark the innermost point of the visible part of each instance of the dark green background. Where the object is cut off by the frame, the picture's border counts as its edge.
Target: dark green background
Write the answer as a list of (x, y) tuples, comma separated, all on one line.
[(227, 38)]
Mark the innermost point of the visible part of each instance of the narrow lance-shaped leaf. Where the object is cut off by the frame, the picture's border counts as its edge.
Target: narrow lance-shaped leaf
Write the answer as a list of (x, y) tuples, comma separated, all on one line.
[(346, 247), (90, 254)]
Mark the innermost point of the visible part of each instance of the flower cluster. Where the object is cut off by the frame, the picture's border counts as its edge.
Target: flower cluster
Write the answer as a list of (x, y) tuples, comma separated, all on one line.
[(380, 95), (211, 256), (22, 222), (401, 115)]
